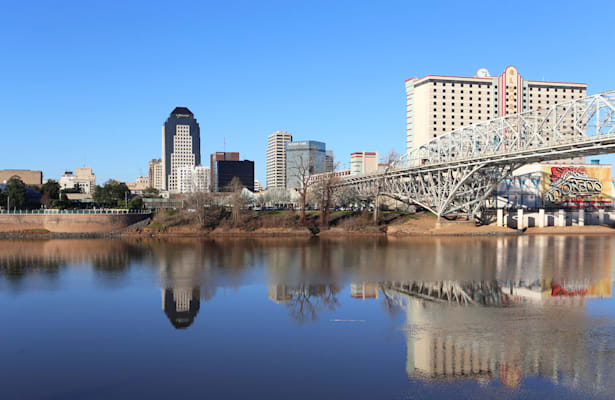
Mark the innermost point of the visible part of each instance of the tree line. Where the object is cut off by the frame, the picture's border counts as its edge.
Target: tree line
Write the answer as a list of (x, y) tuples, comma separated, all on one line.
[(322, 191), (17, 195)]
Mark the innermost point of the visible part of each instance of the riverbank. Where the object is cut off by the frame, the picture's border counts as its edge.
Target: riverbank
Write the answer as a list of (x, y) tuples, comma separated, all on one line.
[(285, 224), (392, 224)]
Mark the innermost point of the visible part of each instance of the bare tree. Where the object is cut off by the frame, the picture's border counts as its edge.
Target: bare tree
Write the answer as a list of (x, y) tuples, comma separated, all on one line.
[(388, 160), (261, 199), (202, 209), (345, 196), (324, 191), (301, 170), (237, 199), (277, 196)]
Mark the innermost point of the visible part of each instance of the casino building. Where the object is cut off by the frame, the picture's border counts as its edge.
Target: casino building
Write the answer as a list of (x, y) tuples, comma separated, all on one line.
[(437, 104)]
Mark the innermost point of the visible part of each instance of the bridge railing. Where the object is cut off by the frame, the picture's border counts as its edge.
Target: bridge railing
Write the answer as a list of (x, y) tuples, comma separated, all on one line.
[(75, 212), (568, 122)]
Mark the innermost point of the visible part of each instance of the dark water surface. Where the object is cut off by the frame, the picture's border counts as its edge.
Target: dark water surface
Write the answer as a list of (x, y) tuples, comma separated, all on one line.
[(519, 317)]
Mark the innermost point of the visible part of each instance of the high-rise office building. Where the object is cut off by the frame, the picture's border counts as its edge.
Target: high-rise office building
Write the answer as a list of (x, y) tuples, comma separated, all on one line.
[(437, 104), (276, 159), (181, 145), (155, 174), (226, 170), (363, 163), (302, 159), (329, 161), (219, 156)]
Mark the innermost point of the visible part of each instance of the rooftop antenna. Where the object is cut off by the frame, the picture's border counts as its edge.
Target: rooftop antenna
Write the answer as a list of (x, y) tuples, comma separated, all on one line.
[(225, 144)]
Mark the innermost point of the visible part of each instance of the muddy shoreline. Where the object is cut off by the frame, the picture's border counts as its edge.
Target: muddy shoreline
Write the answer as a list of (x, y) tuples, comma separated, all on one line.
[(448, 229)]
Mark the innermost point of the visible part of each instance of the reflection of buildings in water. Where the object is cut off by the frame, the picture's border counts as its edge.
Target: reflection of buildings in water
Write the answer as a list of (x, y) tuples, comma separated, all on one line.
[(451, 342), (279, 293), (364, 290), (181, 305), (182, 274)]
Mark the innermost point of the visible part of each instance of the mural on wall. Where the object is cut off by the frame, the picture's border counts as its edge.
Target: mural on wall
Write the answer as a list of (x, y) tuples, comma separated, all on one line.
[(574, 186)]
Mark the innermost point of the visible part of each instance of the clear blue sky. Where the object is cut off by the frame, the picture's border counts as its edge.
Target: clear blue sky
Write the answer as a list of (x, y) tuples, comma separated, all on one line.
[(91, 83)]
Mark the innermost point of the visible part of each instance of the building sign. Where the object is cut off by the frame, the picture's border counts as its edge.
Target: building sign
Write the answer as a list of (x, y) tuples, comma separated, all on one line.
[(511, 89), (576, 186), (597, 288), (510, 97)]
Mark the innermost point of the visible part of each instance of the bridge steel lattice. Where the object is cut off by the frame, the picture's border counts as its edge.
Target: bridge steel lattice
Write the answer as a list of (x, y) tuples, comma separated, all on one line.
[(483, 293), (453, 174)]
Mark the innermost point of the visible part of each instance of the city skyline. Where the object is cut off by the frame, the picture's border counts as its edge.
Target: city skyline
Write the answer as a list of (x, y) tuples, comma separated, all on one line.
[(349, 85)]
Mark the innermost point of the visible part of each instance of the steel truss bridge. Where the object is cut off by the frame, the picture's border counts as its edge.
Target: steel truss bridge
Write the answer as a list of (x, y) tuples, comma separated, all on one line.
[(453, 174)]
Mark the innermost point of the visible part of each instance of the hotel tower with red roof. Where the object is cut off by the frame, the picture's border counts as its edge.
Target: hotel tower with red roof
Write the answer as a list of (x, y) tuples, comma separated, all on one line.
[(437, 104)]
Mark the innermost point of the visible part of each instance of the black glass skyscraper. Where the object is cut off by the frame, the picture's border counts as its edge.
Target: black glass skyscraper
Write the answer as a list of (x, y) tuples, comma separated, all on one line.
[(181, 144)]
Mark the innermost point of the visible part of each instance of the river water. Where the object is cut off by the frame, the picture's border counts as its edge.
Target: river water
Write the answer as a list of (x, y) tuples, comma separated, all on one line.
[(417, 318)]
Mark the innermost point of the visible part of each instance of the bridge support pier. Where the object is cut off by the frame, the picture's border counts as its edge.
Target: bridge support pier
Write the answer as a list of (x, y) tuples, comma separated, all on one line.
[(520, 224), (541, 218), (581, 217), (561, 218), (500, 220), (601, 216)]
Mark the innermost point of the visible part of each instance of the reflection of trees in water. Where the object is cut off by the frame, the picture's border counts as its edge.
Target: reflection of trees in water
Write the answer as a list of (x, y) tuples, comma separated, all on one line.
[(112, 264), (305, 301), (18, 258), (19, 268)]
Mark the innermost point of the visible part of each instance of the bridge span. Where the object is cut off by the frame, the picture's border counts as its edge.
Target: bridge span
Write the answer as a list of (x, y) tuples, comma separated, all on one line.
[(453, 174)]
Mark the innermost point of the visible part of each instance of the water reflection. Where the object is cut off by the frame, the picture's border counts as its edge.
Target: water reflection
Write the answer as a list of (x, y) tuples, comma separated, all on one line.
[(557, 341), (305, 301), (475, 308), (181, 305)]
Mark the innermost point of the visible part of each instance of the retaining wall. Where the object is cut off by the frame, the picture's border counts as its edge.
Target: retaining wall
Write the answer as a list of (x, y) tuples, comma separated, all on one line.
[(69, 223)]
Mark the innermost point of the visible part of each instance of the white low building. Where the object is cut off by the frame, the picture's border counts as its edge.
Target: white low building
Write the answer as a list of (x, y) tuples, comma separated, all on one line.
[(83, 178), (192, 179)]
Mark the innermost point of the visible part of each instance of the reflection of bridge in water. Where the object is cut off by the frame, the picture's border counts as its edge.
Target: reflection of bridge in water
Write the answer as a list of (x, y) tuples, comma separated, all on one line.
[(552, 337), (462, 293)]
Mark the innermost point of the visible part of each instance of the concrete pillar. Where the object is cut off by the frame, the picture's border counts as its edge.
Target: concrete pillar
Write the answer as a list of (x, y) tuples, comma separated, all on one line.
[(520, 219), (500, 217), (541, 218), (561, 218), (601, 216), (581, 217), (505, 220)]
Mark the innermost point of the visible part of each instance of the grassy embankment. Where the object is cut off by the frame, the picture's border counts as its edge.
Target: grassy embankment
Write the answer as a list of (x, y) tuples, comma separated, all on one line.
[(275, 221)]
